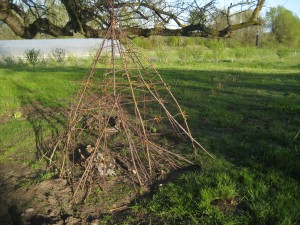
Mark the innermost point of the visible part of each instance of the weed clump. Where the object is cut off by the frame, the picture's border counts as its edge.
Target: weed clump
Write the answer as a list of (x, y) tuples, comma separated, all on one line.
[(33, 56)]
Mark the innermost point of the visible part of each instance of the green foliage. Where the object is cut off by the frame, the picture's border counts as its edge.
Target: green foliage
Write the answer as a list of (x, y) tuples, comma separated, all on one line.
[(143, 42), (190, 54), (32, 56), (8, 61), (184, 54), (163, 54), (284, 26), (242, 53), (185, 41), (196, 53), (172, 41), (282, 52), (217, 48), (157, 41), (197, 16), (213, 43)]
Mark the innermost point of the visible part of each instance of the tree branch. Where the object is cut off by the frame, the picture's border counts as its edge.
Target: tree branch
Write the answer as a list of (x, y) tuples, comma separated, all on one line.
[(81, 13)]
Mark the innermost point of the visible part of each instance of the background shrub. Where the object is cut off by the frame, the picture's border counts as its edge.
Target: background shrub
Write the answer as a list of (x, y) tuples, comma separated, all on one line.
[(143, 42), (172, 41), (163, 54), (282, 52), (244, 52), (59, 54), (185, 54), (196, 54), (8, 60), (32, 56)]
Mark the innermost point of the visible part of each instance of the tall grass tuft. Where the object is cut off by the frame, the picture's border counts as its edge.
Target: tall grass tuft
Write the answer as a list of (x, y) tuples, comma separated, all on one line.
[(163, 55), (242, 53)]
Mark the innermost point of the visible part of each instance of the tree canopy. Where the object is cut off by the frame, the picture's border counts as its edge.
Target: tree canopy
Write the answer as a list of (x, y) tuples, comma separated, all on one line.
[(90, 18), (284, 25)]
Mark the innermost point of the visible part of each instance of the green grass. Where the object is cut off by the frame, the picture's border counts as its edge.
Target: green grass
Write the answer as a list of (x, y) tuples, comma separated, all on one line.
[(223, 194), (31, 101), (49, 86), (247, 113)]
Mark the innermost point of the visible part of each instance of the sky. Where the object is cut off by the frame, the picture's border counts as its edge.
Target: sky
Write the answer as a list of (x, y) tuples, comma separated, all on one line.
[(292, 5)]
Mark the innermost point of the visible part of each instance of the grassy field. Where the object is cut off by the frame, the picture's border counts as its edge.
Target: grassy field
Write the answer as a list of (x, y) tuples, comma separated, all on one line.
[(246, 113)]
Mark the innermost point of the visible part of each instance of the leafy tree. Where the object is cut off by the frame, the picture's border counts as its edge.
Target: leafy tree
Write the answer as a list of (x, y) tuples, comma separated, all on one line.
[(284, 25), (90, 18)]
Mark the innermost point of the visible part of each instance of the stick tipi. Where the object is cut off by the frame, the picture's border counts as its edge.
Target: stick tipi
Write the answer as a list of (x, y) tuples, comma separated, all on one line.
[(123, 111)]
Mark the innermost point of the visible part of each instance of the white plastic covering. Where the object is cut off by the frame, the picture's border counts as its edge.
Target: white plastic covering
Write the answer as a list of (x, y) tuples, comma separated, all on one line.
[(72, 47)]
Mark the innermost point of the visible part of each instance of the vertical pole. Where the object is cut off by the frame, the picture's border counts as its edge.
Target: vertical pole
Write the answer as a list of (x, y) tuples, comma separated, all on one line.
[(113, 39), (257, 39)]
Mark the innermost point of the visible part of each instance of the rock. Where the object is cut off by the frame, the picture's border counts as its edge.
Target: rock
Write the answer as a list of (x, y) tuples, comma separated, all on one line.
[(72, 220), (95, 222), (111, 172), (29, 210), (90, 149)]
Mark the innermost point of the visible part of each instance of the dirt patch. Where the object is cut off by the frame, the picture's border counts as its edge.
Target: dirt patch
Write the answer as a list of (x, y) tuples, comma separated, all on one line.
[(227, 205), (4, 119), (26, 197), (9, 176), (51, 201)]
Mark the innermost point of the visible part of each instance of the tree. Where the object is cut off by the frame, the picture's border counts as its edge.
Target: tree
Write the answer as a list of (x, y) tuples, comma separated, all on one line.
[(27, 18), (284, 25)]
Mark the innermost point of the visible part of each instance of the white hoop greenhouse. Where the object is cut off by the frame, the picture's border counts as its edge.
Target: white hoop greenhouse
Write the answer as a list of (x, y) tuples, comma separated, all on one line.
[(73, 47)]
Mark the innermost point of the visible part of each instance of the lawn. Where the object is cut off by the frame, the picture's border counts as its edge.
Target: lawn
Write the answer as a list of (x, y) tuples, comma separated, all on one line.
[(246, 113)]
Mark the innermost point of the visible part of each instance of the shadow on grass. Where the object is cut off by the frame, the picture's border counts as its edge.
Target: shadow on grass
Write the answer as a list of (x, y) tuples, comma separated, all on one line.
[(47, 122), (119, 216), (245, 117), (250, 119)]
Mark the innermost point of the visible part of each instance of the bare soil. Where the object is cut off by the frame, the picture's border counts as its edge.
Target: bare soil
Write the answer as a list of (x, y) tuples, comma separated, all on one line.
[(25, 198), (51, 201)]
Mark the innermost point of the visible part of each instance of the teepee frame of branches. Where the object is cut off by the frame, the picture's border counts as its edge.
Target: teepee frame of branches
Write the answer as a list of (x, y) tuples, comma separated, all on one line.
[(122, 112)]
